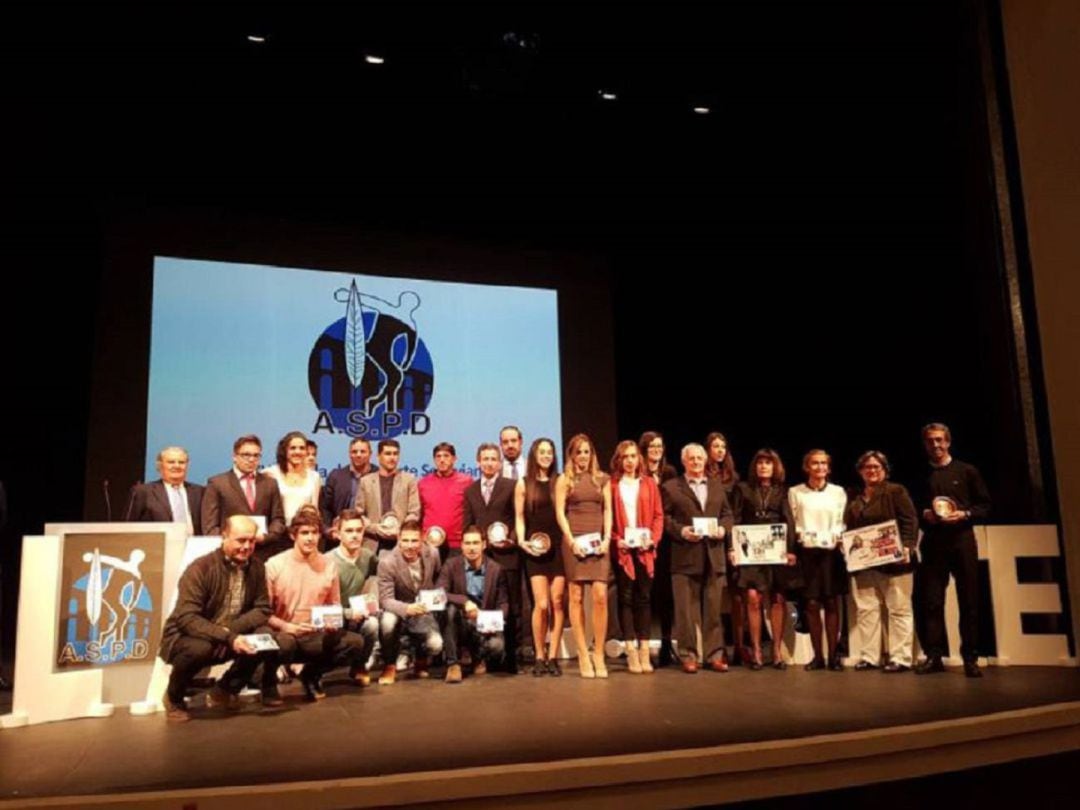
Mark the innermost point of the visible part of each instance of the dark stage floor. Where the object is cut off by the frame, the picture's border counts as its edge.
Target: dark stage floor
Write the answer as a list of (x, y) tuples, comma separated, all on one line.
[(498, 719)]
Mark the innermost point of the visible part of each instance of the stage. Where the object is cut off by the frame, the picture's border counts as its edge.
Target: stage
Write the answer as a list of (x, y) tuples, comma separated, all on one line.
[(668, 739)]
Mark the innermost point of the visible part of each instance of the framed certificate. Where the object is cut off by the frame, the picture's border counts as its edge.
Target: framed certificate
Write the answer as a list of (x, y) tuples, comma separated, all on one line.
[(588, 544), (706, 527), (637, 537), (872, 546), (764, 544), (261, 641), (433, 600), (814, 539), (327, 617), (489, 621), (364, 605)]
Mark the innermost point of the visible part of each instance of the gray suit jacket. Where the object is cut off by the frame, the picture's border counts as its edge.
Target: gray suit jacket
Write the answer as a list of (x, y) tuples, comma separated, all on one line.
[(396, 591), (405, 499)]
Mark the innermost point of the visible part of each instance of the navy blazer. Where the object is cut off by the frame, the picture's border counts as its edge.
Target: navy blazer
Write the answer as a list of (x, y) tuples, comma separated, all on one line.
[(150, 504), (496, 591)]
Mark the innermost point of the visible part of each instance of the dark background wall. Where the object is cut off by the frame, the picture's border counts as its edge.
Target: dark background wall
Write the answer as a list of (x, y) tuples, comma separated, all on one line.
[(811, 264)]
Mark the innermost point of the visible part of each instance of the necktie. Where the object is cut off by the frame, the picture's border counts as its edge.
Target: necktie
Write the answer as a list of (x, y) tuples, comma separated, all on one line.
[(487, 491), (249, 490), (514, 471), (179, 508)]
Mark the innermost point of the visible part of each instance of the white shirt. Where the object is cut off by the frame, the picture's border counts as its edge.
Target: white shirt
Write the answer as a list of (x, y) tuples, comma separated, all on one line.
[(820, 511), (628, 492), (510, 466), (179, 488)]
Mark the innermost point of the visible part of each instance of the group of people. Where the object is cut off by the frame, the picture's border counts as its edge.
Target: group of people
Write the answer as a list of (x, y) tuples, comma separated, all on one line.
[(524, 532)]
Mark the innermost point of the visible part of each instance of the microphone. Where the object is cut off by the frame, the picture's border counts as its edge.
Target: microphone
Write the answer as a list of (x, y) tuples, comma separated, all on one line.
[(108, 501), (131, 500)]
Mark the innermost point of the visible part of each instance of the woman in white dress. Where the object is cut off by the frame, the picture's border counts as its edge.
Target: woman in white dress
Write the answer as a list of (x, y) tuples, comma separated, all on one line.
[(298, 483)]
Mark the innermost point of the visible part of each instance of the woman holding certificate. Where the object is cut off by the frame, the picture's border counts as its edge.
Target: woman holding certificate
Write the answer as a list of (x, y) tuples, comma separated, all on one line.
[(818, 509), (882, 501), (638, 518), (763, 500), (539, 536), (583, 508)]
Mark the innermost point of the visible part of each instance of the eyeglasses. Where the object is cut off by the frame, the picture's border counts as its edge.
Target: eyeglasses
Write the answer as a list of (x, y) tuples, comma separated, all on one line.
[(249, 455)]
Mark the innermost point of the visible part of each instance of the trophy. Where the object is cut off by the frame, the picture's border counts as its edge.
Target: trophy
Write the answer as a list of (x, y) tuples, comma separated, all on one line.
[(540, 543), (435, 536), (390, 523), (944, 506), (498, 535)]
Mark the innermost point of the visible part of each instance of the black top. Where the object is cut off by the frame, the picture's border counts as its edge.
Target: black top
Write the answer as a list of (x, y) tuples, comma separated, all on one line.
[(961, 482)]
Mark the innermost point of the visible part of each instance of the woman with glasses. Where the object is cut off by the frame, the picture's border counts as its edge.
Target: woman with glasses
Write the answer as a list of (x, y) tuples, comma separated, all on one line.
[(888, 586)]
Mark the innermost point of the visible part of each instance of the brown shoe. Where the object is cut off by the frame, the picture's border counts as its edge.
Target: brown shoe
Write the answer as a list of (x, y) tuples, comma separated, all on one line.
[(480, 668), (718, 665), (389, 675), (174, 713), (361, 677), (453, 673), (689, 665), (217, 697)]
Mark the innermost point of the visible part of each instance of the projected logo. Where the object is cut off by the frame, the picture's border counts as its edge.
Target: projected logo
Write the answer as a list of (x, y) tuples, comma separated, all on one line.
[(369, 372), (108, 614)]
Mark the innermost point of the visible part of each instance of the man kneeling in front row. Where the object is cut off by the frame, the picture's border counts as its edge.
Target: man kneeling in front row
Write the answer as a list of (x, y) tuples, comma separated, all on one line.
[(473, 583), (298, 581), (410, 568), (221, 598)]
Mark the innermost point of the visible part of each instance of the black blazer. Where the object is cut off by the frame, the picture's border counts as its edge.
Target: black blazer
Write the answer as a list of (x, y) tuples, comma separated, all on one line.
[(680, 508), (336, 495), (150, 504), (501, 508), (224, 498), (496, 591)]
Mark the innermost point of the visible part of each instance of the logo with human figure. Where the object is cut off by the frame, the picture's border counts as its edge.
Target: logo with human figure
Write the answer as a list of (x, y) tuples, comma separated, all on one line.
[(369, 372)]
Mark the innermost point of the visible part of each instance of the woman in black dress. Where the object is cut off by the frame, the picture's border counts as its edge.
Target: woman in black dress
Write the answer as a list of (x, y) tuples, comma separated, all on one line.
[(721, 464), (763, 500), (656, 466), (534, 502)]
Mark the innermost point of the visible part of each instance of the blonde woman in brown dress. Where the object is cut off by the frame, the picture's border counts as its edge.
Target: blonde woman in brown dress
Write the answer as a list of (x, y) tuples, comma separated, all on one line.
[(582, 507)]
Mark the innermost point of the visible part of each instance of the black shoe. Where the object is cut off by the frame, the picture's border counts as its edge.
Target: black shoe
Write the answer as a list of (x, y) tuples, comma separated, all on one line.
[(971, 669), (540, 668), (271, 697), (313, 689), (836, 664), (666, 656), (817, 663), (553, 668), (893, 667), (779, 664), (930, 666), (755, 665), (863, 666)]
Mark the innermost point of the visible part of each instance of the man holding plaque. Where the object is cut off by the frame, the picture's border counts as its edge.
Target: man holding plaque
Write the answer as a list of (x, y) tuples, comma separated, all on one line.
[(475, 588), (304, 592), (698, 559), (387, 498), (244, 490), (953, 498), (407, 571), (356, 576), (489, 504), (442, 501), (221, 600)]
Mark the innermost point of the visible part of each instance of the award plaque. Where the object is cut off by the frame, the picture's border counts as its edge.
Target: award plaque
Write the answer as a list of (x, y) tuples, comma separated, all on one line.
[(872, 546), (637, 537), (706, 526), (944, 506), (588, 544), (498, 535), (489, 621), (261, 641), (435, 536), (364, 605), (814, 539), (540, 543), (327, 617), (390, 523), (433, 600)]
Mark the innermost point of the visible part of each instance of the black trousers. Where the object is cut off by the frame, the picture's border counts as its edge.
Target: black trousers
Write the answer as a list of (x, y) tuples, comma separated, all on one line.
[(663, 598), (459, 632), (956, 555), (320, 651), (514, 631), (635, 600), (189, 655)]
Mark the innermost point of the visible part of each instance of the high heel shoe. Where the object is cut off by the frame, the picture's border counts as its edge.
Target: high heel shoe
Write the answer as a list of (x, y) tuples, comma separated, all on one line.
[(633, 660), (585, 665), (644, 659), (599, 664)]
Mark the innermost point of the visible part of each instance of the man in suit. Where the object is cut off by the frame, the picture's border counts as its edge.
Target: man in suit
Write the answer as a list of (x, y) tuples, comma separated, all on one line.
[(513, 463), (412, 566), (221, 598), (245, 491), (698, 562), (170, 499), (387, 492), (490, 500), (472, 583), (339, 493)]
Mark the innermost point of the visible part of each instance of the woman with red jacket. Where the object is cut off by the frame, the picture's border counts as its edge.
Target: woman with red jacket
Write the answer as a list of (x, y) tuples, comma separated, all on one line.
[(635, 499)]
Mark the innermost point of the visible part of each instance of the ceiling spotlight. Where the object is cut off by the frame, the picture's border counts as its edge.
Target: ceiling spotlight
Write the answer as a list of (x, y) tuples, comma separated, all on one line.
[(371, 59), (256, 38), (702, 110), (607, 95)]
